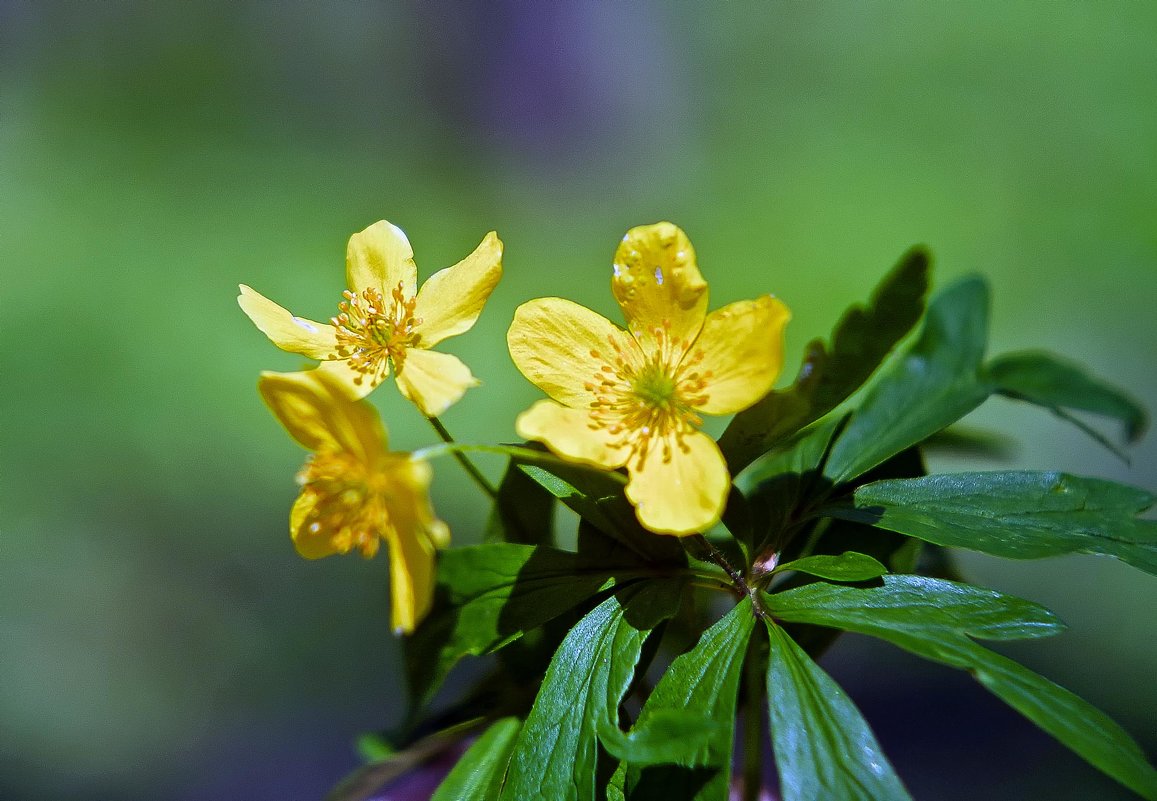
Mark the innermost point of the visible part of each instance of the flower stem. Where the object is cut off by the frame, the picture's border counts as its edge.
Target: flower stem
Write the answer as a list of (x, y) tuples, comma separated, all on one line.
[(464, 460), (716, 556), (753, 724)]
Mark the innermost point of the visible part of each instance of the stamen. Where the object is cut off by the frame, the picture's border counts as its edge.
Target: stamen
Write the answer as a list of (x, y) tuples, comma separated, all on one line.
[(640, 398), (373, 332), (348, 508)]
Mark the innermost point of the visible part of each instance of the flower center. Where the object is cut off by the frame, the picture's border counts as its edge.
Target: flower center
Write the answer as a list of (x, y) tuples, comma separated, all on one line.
[(350, 509), (373, 331), (654, 386), (641, 400)]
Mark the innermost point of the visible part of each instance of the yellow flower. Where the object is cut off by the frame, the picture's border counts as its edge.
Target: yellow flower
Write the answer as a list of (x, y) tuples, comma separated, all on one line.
[(355, 492), (384, 319), (632, 398)]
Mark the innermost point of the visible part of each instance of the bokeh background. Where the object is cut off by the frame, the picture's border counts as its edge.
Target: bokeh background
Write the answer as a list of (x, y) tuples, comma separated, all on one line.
[(158, 636)]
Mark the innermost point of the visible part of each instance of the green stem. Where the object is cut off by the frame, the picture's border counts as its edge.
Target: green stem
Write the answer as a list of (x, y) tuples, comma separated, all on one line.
[(716, 556), (753, 725), (464, 460), (528, 455)]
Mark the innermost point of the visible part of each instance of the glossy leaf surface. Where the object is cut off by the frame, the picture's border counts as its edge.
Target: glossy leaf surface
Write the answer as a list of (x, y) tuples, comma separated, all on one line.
[(1058, 385), (555, 757), (823, 746), (478, 774), (831, 373), (488, 595), (935, 619), (1014, 514), (932, 384), (703, 682)]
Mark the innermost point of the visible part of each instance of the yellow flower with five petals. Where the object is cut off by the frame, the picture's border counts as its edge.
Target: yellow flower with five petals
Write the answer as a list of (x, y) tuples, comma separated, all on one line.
[(632, 398), (355, 492), (385, 320)]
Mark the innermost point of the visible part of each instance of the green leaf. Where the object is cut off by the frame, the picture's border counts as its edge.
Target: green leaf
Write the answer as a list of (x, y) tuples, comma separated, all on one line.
[(478, 774), (702, 683), (597, 497), (1057, 385), (365, 782), (1013, 514), (934, 619), (672, 736), (779, 485), (488, 595), (555, 756), (1070, 719), (523, 511), (862, 338), (931, 385), (928, 607), (823, 746), (848, 566)]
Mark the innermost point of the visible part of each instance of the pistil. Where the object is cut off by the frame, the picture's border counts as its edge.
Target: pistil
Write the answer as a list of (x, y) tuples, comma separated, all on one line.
[(644, 398)]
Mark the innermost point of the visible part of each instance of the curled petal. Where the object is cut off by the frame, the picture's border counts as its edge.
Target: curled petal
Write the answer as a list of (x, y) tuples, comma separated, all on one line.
[(316, 412), (450, 301), (561, 347), (740, 353), (294, 334), (311, 543), (380, 257), (657, 283), (568, 432), (433, 381), (681, 486), (412, 535)]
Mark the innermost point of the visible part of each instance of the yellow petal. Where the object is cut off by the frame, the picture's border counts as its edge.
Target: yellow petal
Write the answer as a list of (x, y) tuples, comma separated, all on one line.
[(294, 334), (568, 433), (379, 258), (310, 540), (742, 353), (355, 384), (561, 347), (658, 285), (412, 535), (317, 413), (681, 486), (433, 381), (451, 300)]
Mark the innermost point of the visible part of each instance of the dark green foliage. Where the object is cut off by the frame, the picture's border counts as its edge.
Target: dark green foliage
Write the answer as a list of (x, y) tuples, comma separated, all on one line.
[(478, 774), (847, 566), (488, 595), (830, 374), (555, 756), (831, 509), (598, 498), (1016, 515), (937, 619), (524, 511), (1057, 385), (932, 384), (701, 683), (823, 746)]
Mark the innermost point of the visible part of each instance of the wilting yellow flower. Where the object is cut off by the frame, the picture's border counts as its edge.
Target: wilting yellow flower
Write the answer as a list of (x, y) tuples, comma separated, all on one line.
[(632, 398), (354, 491), (384, 319)]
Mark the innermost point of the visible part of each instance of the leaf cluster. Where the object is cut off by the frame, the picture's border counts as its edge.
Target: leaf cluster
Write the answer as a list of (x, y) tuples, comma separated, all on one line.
[(624, 668)]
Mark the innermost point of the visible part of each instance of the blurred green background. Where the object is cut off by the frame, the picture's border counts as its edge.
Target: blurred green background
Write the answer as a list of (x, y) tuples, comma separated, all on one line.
[(159, 638)]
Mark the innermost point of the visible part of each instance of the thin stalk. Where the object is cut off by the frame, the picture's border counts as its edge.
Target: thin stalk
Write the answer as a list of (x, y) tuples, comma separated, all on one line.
[(464, 460), (751, 590), (752, 725)]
